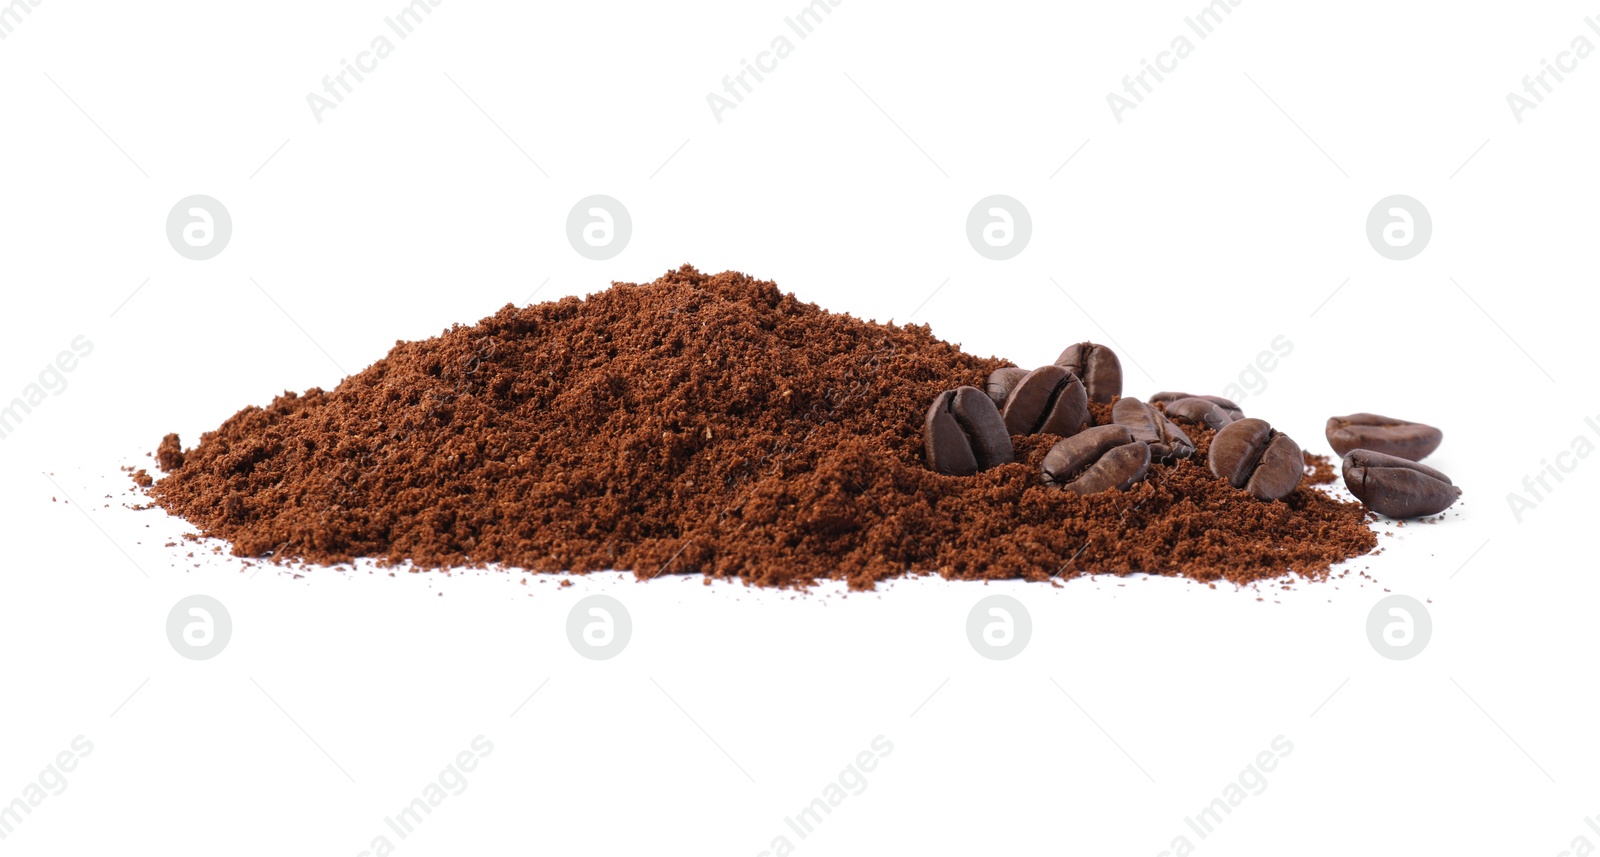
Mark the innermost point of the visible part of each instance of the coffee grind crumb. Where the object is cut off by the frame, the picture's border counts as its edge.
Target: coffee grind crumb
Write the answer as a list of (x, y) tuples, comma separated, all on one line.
[(169, 455), (706, 424), (1319, 469)]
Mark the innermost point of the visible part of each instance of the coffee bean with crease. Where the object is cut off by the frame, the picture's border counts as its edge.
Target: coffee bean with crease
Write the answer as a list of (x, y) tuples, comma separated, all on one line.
[(964, 433), (1103, 458), (1397, 487), (1252, 455), (1002, 381), (1150, 426), (1227, 406), (1198, 410), (1048, 400), (1097, 366), (1403, 438)]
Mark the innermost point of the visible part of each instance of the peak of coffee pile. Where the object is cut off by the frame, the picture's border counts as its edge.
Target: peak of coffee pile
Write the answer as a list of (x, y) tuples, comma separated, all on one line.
[(715, 424)]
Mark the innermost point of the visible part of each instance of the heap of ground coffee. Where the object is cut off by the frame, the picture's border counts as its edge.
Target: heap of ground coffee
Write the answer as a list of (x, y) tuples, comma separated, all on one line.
[(703, 424)]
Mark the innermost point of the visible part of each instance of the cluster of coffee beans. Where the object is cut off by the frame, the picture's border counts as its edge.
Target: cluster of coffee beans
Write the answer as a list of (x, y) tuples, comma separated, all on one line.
[(968, 430), (1380, 465)]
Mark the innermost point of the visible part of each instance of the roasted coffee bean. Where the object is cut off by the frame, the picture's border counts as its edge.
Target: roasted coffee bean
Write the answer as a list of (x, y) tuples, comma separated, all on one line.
[(1150, 426), (1252, 455), (1001, 382), (964, 433), (1402, 438), (1049, 400), (1102, 458), (1198, 410), (1397, 487), (1233, 411), (1099, 368)]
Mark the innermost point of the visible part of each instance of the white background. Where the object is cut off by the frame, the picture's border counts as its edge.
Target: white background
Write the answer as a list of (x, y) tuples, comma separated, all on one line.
[(1226, 210)]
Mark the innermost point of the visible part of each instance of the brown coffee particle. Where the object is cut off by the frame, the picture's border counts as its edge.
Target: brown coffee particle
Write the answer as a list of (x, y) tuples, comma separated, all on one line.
[(169, 455), (1319, 469), (702, 424)]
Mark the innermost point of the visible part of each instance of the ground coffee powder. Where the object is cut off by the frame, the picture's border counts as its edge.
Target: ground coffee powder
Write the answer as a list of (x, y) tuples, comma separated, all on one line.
[(703, 424)]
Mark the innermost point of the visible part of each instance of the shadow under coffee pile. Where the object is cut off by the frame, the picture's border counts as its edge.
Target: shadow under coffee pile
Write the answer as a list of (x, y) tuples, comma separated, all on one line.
[(700, 424)]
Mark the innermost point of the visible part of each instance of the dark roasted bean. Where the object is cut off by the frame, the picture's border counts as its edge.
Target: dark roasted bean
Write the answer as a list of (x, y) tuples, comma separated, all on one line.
[(1233, 411), (1102, 458), (1198, 410), (1254, 456), (1002, 381), (1397, 487), (1402, 438), (964, 433), (1099, 368), (1150, 426), (1050, 400)]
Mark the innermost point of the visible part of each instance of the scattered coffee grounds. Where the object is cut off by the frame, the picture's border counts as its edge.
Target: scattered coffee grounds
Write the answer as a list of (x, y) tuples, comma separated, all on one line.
[(1319, 469), (169, 455), (704, 424)]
